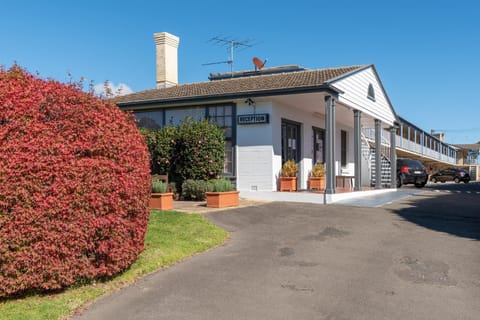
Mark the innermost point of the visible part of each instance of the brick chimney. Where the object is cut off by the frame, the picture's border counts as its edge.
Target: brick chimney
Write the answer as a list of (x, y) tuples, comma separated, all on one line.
[(167, 59)]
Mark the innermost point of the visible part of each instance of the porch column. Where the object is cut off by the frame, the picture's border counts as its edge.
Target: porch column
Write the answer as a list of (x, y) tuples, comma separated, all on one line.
[(330, 145), (393, 157), (357, 148), (378, 151)]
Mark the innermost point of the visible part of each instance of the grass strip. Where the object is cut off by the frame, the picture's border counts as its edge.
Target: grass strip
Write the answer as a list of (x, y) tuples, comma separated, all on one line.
[(171, 236)]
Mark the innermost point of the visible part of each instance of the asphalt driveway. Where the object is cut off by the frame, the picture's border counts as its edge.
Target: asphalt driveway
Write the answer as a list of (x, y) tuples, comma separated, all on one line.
[(307, 261)]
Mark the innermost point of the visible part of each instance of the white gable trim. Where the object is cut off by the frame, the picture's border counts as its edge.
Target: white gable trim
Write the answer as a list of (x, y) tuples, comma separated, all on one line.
[(355, 94)]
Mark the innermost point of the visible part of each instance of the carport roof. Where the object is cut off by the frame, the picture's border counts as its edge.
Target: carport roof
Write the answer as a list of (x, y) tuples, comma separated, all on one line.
[(271, 84)]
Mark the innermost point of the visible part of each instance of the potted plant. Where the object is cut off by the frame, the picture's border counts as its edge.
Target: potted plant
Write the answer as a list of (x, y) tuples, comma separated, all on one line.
[(222, 194), (288, 176), (160, 198), (316, 180)]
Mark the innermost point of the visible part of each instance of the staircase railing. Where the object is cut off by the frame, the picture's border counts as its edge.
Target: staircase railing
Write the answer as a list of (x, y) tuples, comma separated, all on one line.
[(385, 164)]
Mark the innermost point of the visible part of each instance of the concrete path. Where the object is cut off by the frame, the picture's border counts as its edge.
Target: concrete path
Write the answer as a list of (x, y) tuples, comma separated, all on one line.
[(382, 199), (307, 261)]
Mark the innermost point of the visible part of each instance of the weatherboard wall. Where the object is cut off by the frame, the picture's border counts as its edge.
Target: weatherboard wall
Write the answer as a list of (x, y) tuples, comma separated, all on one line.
[(254, 151), (259, 146)]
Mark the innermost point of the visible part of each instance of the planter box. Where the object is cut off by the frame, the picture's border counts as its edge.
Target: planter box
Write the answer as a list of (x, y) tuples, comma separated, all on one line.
[(161, 201), (288, 183), (222, 199), (316, 183)]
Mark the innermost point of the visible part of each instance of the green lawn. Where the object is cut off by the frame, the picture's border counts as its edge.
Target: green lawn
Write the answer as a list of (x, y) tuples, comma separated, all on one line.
[(171, 236)]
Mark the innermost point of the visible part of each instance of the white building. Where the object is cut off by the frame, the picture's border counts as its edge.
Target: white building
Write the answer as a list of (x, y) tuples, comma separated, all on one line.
[(276, 114)]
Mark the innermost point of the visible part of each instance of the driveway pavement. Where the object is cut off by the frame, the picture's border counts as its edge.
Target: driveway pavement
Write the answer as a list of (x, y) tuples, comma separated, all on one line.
[(307, 261)]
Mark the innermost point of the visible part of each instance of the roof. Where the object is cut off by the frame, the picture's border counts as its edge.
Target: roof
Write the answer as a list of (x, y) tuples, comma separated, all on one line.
[(471, 146), (288, 82)]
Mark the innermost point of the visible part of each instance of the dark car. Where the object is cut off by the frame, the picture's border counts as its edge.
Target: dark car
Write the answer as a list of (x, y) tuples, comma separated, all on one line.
[(451, 174), (411, 171)]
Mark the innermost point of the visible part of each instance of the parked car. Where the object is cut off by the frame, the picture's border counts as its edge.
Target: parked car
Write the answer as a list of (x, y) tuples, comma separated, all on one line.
[(451, 174), (411, 171)]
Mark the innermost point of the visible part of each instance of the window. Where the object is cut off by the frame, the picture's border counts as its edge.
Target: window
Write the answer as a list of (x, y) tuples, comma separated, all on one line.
[(222, 116), (343, 148), (177, 115), (371, 92), (152, 120)]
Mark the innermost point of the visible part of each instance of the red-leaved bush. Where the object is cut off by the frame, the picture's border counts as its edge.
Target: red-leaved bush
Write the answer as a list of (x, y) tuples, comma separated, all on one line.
[(74, 185)]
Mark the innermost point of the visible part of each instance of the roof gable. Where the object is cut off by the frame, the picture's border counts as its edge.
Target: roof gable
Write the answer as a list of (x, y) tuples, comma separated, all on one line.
[(357, 85)]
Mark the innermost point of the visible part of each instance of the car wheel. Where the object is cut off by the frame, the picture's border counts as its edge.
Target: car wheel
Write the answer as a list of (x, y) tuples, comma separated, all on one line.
[(466, 181), (419, 185), (456, 180), (443, 181), (399, 182), (434, 180)]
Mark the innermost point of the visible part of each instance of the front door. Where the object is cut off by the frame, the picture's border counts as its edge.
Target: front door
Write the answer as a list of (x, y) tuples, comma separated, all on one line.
[(290, 141), (318, 145)]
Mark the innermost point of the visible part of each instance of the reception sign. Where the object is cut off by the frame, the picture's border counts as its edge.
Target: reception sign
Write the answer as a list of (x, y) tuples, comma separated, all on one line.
[(258, 118)]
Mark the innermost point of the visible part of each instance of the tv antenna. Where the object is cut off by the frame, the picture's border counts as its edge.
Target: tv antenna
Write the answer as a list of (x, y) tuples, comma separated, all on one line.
[(231, 45)]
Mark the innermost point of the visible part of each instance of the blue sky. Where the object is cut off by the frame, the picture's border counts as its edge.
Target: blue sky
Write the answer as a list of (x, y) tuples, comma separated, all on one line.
[(426, 52)]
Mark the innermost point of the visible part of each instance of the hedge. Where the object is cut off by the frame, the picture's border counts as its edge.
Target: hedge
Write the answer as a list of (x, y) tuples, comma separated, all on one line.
[(74, 185)]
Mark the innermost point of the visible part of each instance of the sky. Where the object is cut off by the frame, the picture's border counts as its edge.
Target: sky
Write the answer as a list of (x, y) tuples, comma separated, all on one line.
[(427, 53)]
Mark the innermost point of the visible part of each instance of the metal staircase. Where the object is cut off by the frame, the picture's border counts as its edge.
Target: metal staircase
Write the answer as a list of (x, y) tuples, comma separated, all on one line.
[(368, 157), (385, 170)]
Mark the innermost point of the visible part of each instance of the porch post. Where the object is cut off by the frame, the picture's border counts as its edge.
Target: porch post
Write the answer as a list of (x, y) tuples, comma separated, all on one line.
[(330, 145), (357, 148), (378, 151), (393, 157)]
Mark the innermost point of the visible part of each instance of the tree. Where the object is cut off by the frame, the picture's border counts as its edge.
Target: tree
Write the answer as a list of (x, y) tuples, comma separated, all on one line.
[(195, 150), (199, 150)]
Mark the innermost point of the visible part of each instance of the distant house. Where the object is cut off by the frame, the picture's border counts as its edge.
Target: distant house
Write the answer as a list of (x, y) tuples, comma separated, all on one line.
[(469, 156)]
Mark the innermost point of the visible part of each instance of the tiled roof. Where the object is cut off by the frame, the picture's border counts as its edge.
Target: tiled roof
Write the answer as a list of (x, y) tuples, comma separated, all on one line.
[(236, 86)]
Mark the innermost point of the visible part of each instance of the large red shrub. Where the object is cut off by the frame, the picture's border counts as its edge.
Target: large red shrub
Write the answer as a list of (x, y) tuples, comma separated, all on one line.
[(74, 185)]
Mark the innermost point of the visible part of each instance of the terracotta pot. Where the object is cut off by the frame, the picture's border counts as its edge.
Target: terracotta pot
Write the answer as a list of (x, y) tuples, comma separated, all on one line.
[(316, 183), (161, 201), (288, 183), (222, 199)]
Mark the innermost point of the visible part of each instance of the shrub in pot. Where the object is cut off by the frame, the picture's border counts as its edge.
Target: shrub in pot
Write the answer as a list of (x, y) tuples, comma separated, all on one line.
[(221, 194), (316, 180), (160, 198), (288, 176)]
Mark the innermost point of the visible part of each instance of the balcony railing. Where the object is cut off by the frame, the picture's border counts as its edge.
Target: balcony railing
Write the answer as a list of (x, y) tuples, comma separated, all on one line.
[(412, 146)]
